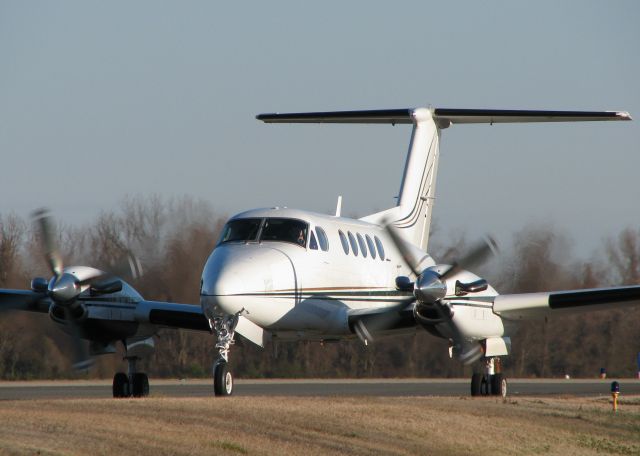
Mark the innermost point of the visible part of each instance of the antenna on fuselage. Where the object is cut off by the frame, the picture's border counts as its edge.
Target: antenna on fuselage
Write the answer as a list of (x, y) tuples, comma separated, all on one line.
[(339, 206)]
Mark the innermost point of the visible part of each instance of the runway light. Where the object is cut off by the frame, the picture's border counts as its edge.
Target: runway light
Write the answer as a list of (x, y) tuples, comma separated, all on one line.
[(603, 373), (615, 392)]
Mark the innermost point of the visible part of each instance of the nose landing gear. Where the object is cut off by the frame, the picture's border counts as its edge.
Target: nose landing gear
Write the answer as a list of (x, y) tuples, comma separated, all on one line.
[(224, 327)]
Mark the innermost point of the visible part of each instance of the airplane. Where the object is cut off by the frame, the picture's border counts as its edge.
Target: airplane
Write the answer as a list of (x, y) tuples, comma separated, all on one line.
[(292, 275)]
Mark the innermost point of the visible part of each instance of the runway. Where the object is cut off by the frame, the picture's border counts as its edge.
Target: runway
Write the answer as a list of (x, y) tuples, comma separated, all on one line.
[(315, 387)]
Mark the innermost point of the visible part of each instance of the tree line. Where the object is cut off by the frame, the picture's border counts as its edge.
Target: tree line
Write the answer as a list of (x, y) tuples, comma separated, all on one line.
[(173, 237)]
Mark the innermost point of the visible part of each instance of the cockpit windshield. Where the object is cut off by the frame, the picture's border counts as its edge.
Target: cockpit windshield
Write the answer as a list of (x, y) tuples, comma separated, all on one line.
[(273, 229), (241, 230), (286, 230)]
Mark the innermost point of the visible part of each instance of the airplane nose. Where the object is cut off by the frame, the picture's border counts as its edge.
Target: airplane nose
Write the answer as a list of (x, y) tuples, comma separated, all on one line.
[(235, 274)]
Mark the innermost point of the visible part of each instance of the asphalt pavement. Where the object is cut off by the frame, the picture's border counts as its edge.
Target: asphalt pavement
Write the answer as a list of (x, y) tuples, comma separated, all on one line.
[(316, 387)]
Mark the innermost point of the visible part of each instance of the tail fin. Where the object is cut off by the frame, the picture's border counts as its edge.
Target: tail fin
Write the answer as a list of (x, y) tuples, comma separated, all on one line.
[(412, 215)]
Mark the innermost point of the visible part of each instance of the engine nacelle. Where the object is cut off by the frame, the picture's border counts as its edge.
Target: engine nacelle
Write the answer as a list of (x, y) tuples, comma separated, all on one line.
[(58, 313)]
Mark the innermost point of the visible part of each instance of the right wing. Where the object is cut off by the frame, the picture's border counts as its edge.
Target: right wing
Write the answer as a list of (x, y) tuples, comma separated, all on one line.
[(189, 316), (172, 315), (23, 300), (527, 306)]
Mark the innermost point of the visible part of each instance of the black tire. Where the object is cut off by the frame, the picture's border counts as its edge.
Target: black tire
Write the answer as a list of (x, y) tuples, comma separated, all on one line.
[(498, 385), (222, 379), (476, 384), (485, 386), (140, 385), (121, 385)]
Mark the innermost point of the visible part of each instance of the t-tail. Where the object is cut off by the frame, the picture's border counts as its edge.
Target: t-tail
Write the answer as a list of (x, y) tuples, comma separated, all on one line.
[(412, 214)]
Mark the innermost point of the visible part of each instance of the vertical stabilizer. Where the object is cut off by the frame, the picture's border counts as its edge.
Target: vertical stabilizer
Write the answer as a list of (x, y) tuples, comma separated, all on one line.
[(412, 216)]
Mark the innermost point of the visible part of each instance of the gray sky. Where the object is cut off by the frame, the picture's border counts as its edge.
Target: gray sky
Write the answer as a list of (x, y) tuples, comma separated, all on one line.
[(103, 99)]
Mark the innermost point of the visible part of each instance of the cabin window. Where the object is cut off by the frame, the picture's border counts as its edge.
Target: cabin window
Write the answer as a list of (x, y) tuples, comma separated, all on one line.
[(322, 239), (285, 230), (372, 249), (380, 248), (363, 247), (352, 241), (345, 243), (244, 230), (313, 245)]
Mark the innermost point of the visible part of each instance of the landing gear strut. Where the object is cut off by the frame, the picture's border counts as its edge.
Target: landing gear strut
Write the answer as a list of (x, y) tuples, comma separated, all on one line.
[(490, 382), (133, 383), (224, 327)]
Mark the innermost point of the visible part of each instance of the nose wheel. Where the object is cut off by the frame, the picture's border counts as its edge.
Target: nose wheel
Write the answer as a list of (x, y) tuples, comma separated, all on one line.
[(222, 379)]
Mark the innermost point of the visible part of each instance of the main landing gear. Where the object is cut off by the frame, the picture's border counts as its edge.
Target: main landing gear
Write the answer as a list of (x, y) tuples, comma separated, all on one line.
[(134, 383), (490, 382), (224, 327)]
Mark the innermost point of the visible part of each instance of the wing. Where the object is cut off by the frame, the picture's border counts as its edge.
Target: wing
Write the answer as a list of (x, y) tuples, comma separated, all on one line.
[(189, 316), (23, 300), (157, 313), (172, 315), (539, 305)]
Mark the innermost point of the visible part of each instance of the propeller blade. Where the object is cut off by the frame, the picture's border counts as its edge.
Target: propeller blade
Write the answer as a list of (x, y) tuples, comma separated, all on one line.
[(367, 325), (467, 352), (48, 239), (81, 361), (402, 248), (478, 254)]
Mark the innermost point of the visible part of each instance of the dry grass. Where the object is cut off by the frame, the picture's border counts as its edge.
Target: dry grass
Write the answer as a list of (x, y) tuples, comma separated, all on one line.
[(319, 426)]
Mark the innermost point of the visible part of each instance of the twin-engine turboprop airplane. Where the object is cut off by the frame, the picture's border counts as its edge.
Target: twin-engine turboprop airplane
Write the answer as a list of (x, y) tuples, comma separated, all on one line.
[(289, 274)]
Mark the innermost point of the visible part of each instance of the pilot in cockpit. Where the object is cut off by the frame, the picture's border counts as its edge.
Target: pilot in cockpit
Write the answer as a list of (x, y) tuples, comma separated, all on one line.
[(300, 239)]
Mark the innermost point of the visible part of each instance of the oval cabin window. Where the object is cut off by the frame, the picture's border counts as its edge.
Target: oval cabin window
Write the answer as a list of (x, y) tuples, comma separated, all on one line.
[(363, 247), (380, 247), (372, 249), (322, 239), (352, 241), (345, 243)]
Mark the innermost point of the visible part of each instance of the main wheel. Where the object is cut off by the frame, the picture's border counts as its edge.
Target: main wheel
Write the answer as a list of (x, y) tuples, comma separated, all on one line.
[(222, 379), (140, 385), (121, 385), (476, 384), (498, 385)]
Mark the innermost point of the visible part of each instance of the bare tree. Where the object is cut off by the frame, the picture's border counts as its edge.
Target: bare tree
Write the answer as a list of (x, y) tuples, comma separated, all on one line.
[(11, 239)]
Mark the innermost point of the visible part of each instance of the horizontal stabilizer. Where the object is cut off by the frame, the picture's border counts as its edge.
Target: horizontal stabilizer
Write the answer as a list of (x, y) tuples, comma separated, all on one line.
[(443, 116), (460, 116), (390, 116)]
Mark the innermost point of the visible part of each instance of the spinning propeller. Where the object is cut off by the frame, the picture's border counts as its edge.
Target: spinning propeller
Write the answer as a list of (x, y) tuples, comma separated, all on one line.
[(64, 287), (429, 290)]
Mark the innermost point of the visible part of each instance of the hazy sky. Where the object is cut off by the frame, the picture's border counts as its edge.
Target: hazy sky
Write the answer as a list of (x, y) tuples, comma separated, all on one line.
[(103, 99)]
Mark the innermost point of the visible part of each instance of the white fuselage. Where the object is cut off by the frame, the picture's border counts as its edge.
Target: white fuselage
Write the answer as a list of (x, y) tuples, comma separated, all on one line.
[(305, 291)]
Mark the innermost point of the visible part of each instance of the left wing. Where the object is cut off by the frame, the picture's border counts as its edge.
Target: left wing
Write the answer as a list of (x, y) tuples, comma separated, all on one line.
[(527, 306)]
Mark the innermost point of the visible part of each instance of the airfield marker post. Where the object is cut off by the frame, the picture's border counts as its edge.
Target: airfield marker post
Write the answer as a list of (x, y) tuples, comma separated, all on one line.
[(615, 392)]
